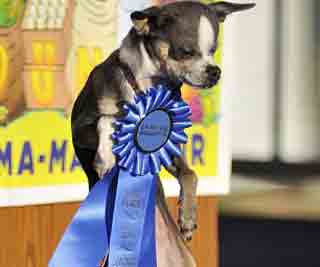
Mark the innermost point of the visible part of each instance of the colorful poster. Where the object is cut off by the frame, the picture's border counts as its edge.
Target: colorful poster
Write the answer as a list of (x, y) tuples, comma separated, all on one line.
[(47, 50)]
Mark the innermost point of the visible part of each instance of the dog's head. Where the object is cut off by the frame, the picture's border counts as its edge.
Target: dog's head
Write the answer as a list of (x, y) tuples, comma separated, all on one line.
[(183, 36)]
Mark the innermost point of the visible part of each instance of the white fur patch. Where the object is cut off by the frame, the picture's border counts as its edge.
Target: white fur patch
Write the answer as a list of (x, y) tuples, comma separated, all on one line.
[(206, 36), (145, 70), (148, 67), (104, 159)]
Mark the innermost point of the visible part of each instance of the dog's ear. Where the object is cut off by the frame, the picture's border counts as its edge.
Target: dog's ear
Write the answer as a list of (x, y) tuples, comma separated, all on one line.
[(223, 9), (141, 22), (149, 20)]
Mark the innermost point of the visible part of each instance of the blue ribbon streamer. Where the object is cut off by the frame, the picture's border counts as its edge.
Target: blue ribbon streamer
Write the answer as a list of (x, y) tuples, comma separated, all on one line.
[(132, 242), (86, 240), (126, 206)]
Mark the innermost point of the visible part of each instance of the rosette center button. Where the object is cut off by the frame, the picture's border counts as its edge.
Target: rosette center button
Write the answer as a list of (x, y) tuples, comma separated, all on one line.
[(153, 131)]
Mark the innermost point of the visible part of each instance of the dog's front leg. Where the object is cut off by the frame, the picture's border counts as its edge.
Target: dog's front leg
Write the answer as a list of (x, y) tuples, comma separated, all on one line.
[(187, 199), (104, 159)]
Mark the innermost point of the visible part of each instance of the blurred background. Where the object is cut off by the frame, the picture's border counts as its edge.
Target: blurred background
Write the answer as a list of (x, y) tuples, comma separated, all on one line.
[(271, 217)]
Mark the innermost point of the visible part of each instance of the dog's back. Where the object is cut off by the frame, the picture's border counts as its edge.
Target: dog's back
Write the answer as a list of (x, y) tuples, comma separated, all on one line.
[(103, 82)]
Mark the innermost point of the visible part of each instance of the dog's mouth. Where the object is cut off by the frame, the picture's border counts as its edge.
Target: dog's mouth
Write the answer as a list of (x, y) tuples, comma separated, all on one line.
[(206, 85)]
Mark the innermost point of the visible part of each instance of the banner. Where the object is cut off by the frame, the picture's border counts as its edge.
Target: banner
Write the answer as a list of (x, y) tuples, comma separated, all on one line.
[(47, 50)]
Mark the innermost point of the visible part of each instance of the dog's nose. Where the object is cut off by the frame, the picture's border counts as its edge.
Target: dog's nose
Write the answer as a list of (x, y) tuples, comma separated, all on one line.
[(214, 72)]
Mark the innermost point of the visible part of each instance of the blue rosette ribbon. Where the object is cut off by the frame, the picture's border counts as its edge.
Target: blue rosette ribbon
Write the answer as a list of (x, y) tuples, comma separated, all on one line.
[(115, 225)]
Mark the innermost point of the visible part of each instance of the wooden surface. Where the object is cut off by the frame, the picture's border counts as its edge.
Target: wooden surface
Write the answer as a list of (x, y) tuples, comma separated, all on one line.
[(30, 234), (264, 197)]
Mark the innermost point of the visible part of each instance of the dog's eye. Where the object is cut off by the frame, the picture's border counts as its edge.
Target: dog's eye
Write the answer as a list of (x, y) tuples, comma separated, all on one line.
[(182, 52), (186, 51)]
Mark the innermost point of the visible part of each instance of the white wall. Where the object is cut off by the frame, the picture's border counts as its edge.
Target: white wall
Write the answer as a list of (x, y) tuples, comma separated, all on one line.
[(275, 102), (248, 75), (300, 101)]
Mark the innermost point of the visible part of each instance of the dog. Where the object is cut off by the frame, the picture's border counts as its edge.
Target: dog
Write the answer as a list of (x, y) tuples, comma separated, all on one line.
[(171, 44)]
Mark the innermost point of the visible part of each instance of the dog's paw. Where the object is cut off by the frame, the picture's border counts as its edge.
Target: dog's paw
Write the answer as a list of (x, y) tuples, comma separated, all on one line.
[(187, 221), (103, 164)]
